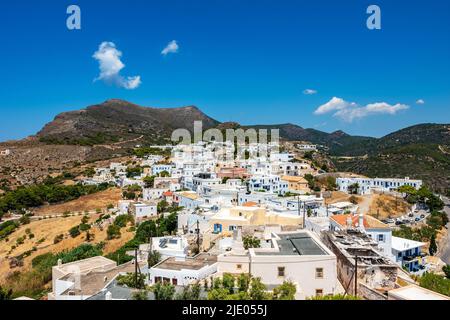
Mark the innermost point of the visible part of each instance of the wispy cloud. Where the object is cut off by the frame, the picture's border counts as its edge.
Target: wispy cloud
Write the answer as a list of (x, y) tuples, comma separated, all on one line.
[(349, 111), (420, 101), (309, 91), (110, 66), (172, 47)]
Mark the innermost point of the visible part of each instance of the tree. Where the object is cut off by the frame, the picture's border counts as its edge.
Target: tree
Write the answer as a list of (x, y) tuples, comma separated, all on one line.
[(163, 291), (446, 270), (113, 232), (331, 183), (285, 291), (433, 245), (149, 181), (129, 280), (435, 283), (162, 206), (164, 174), (85, 219), (5, 294), (258, 290), (353, 188), (140, 295), (190, 292), (251, 242), (153, 258), (353, 200), (74, 231)]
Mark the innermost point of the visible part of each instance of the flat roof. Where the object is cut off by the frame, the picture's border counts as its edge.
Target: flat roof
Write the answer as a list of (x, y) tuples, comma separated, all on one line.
[(413, 292), (401, 244), (294, 244), (199, 261), (88, 264)]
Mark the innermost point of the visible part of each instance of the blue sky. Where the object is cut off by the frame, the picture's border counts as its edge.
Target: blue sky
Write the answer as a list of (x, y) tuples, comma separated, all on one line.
[(237, 60)]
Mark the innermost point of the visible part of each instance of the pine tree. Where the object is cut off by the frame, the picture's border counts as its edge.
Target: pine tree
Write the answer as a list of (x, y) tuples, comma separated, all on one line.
[(433, 245)]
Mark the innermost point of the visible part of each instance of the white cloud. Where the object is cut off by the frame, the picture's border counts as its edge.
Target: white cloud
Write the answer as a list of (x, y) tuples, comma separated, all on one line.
[(110, 66), (172, 47), (333, 105), (420, 101), (349, 111), (309, 91)]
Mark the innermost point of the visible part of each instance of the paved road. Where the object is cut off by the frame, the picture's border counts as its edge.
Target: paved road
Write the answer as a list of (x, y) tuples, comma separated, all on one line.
[(445, 256)]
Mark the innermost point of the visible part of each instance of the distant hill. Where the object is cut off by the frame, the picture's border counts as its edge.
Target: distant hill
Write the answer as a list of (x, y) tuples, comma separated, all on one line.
[(421, 151), (118, 120)]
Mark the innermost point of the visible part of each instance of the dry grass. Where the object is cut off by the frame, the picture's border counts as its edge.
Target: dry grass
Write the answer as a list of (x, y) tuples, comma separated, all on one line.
[(385, 206), (48, 229), (84, 203), (338, 196)]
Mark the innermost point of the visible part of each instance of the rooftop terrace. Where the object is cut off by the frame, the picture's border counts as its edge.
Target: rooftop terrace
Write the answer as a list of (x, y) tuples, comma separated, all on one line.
[(295, 244)]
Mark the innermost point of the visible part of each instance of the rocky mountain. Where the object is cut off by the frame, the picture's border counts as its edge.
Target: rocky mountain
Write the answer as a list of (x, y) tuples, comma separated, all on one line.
[(117, 120)]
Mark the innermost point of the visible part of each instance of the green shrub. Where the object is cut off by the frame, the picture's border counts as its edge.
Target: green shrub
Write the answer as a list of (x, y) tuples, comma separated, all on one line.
[(74, 231)]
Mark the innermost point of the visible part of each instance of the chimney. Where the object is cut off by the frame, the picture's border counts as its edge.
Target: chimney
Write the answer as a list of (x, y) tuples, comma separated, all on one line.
[(108, 296), (349, 221), (59, 262), (361, 221)]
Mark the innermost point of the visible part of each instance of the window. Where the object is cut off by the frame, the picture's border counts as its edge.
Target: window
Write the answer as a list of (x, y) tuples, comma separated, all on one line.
[(281, 271), (319, 292), (319, 273), (381, 238), (239, 266)]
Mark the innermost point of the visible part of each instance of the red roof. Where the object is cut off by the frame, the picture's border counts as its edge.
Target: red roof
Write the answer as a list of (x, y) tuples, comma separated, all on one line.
[(368, 221), (167, 194), (250, 204)]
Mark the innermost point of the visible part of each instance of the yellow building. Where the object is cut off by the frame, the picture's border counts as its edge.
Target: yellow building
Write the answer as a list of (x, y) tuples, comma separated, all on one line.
[(296, 183), (228, 219)]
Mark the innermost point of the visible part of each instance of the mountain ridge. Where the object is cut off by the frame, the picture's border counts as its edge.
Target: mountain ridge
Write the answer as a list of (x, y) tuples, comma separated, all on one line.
[(420, 151)]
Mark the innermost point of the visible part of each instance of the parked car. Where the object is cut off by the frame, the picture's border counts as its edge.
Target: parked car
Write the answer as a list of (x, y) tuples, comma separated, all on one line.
[(422, 216), (399, 222), (417, 219), (390, 220), (411, 215)]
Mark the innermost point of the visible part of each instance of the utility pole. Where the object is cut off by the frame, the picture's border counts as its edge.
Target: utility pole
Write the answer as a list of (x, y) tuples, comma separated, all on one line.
[(304, 215), (135, 268), (356, 275), (198, 236)]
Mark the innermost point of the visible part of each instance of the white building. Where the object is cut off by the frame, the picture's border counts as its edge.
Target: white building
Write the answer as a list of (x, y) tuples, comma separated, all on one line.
[(124, 206), (307, 147), (282, 157), (153, 193), (142, 210), (203, 180), (5, 152), (183, 271), (407, 253), (290, 253), (268, 183), (366, 185), (187, 199), (158, 168), (168, 246)]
